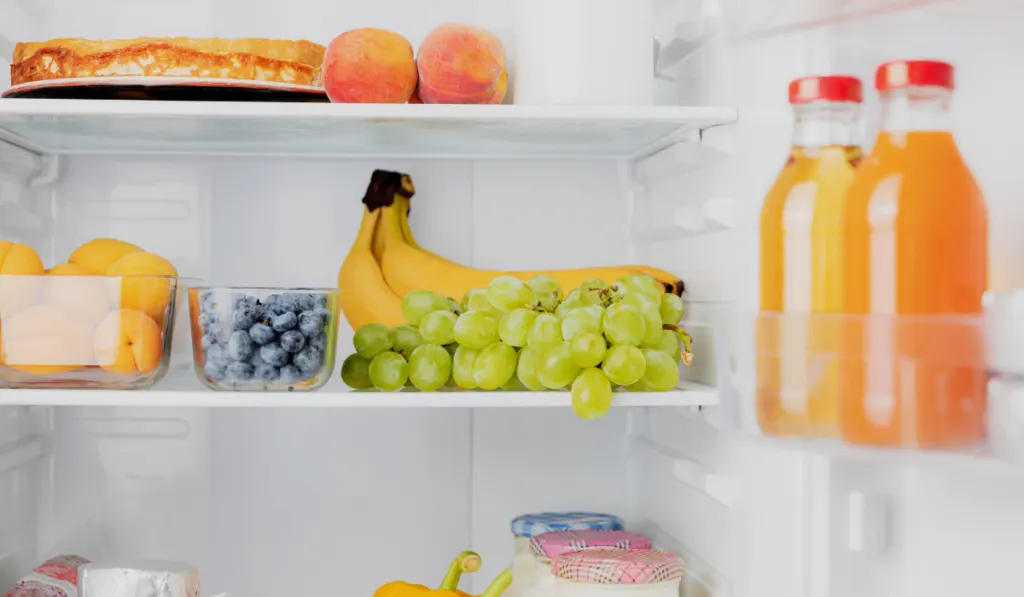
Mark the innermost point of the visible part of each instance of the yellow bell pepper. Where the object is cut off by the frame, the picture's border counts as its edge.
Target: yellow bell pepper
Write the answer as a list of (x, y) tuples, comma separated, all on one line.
[(466, 561)]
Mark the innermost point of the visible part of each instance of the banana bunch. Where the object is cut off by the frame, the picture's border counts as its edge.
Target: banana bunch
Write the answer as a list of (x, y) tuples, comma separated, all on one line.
[(386, 262)]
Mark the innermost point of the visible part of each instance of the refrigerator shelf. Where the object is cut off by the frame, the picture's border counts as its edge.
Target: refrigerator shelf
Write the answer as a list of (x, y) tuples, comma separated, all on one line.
[(349, 130), (171, 394)]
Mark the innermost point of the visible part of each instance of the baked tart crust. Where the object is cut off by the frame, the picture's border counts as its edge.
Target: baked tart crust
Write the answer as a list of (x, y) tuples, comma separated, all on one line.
[(279, 61)]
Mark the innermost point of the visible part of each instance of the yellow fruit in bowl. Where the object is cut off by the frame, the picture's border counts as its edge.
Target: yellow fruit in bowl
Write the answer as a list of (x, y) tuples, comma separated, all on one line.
[(129, 342), (45, 340), (17, 293), (99, 254), (144, 286), (74, 289)]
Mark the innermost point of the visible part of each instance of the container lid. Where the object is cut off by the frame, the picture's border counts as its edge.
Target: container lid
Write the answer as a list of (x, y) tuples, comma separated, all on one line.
[(530, 525), (901, 74), (831, 88), (554, 544), (619, 567)]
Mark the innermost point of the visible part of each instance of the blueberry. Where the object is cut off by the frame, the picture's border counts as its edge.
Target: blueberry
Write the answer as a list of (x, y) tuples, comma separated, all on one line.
[(267, 372), (319, 342), (208, 341), (274, 355), (320, 301), (218, 355), (213, 370), (206, 319), (285, 321), (310, 324), (292, 341), (261, 334), (238, 372), (290, 374), (288, 302), (209, 301), (325, 315), (309, 360), (256, 360), (240, 346), (306, 302)]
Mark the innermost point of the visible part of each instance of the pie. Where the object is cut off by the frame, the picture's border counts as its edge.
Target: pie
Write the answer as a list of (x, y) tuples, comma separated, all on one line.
[(279, 61)]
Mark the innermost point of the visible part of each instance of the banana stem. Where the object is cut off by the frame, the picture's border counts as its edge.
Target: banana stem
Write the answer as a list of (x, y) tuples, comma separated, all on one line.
[(687, 342), (466, 561), (499, 585)]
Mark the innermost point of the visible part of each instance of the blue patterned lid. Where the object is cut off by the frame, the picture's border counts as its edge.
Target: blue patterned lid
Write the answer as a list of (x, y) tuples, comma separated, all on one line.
[(529, 525)]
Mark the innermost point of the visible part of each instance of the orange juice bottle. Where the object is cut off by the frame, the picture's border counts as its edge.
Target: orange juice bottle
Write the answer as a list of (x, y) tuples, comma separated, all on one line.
[(801, 261), (915, 267)]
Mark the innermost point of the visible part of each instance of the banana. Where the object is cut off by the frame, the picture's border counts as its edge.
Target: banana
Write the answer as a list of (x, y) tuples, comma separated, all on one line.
[(365, 296)]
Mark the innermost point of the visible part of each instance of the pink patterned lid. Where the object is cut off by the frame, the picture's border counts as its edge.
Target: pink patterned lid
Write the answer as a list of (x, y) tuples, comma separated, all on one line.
[(557, 543), (619, 567)]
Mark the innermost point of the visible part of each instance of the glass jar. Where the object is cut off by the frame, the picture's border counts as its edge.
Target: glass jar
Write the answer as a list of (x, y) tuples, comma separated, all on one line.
[(622, 573), (1005, 336), (550, 546), (528, 526)]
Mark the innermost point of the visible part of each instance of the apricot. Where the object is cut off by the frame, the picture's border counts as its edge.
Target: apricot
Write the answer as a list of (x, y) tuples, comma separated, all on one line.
[(369, 66), (74, 289), (17, 293), (460, 64), (129, 342), (144, 285), (99, 254), (45, 340)]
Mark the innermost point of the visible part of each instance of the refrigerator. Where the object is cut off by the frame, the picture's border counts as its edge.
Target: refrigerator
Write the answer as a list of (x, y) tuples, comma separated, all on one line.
[(339, 492)]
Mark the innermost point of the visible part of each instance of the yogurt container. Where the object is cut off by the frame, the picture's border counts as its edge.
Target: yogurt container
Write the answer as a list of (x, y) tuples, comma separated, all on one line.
[(550, 546), (618, 573)]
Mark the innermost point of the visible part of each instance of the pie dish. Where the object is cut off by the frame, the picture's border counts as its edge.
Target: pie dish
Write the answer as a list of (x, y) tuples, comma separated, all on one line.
[(267, 60)]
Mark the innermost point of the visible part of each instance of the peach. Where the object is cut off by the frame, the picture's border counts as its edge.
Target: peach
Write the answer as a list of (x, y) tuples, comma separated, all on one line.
[(74, 289), (99, 254), (45, 340), (17, 293), (500, 89), (144, 285), (460, 64), (370, 66), (129, 342)]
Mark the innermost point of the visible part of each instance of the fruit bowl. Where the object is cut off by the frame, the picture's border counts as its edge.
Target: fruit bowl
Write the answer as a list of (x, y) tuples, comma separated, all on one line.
[(264, 339), (71, 331)]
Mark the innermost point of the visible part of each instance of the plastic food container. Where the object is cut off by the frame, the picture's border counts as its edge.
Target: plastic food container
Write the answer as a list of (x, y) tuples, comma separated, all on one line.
[(1005, 335), (110, 332), (550, 546), (527, 526), (584, 52), (622, 573), (264, 339)]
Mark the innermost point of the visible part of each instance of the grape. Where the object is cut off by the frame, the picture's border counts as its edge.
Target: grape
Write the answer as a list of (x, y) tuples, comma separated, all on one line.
[(671, 309), (439, 327), (508, 293), (529, 360), (494, 366), (355, 372), (641, 284), (451, 348), (417, 303), (594, 291), (587, 349), (624, 325), (583, 319), (624, 365), (547, 292), (371, 340), (591, 394), (514, 327), (513, 385), (405, 339), (642, 302), (545, 331), (556, 369), (661, 373), (652, 328), (476, 300), (669, 344), (429, 367), (476, 330), (462, 367), (389, 371)]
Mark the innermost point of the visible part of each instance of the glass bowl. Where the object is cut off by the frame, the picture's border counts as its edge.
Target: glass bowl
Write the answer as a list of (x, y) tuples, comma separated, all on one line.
[(105, 332), (264, 339)]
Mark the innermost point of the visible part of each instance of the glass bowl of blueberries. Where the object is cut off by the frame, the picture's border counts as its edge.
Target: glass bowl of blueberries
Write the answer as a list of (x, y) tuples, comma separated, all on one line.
[(264, 339)]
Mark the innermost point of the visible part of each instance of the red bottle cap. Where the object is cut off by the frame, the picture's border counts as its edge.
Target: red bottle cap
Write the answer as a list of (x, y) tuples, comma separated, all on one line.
[(832, 88), (901, 74)]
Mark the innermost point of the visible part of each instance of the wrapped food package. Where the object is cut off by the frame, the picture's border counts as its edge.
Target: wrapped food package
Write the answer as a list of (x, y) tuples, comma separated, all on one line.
[(138, 579), (57, 577)]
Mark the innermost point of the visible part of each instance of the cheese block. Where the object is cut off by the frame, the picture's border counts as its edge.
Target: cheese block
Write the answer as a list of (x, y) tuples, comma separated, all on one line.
[(138, 579)]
